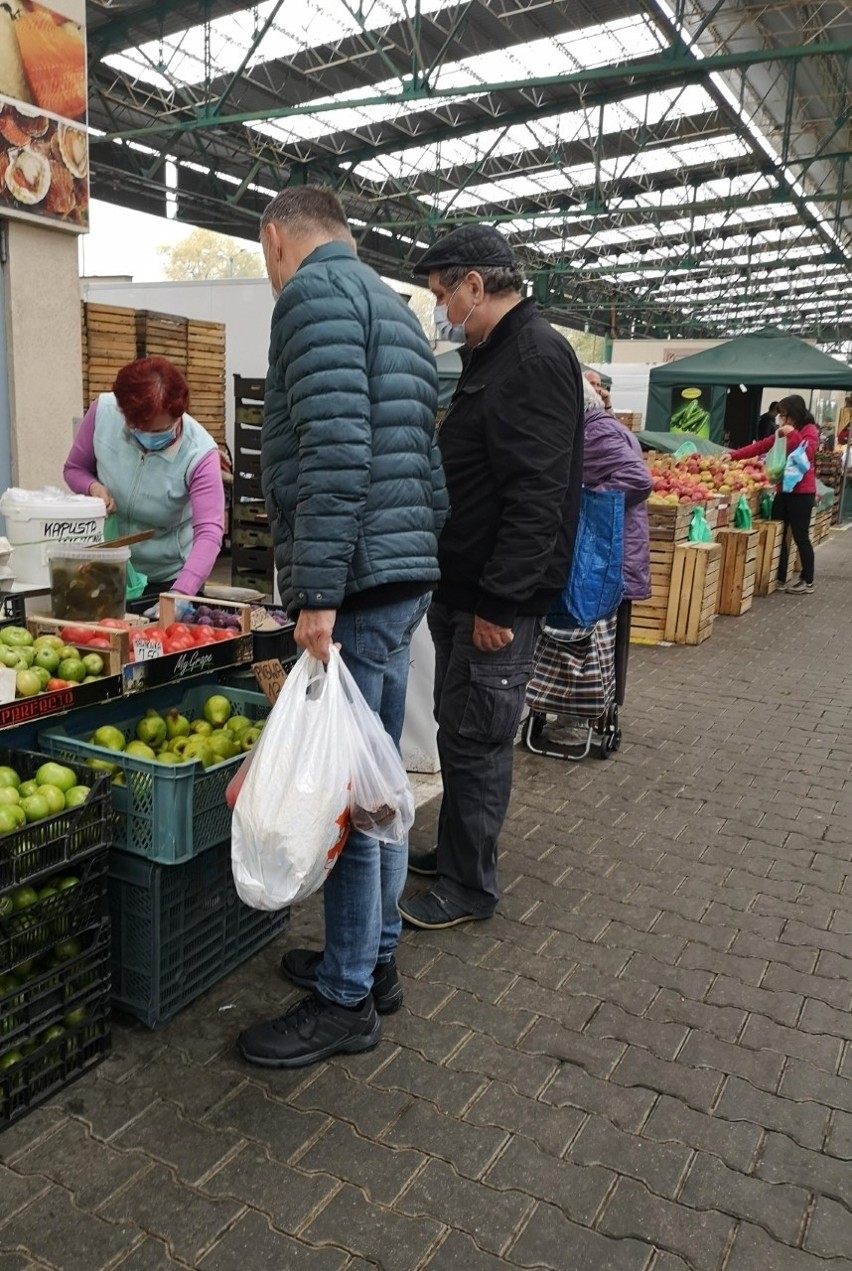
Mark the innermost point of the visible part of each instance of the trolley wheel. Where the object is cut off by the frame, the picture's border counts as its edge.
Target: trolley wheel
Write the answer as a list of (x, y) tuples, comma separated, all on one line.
[(616, 731)]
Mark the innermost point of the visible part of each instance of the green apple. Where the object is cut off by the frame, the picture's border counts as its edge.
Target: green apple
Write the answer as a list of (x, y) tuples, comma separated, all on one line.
[(36, 807), (94, 663), (16, 637), (47, 658), (43, 676), (47, 642), (23, 898), (138, 750), (19, 817), (9, 794), (77, 795), (53, 797), (27, 788), (8, 818), (27, 654), (67, 651), (75, 1018), (55, 774), (8, 777), (27, 684), (108, 737), (72, 669)]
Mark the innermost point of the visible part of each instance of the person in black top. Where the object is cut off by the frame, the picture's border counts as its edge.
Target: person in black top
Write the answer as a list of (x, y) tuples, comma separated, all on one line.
[(767, 423), (512, 448)]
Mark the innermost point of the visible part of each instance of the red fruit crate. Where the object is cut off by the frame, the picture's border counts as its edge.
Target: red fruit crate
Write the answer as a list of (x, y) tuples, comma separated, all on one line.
[(36, 850)]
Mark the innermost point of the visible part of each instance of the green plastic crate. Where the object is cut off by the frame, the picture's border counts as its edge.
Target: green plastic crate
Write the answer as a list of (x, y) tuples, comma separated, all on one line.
[(177, 931), (165, 814)]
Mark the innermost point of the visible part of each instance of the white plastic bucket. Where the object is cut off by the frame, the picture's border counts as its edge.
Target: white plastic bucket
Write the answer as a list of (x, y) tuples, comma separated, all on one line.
[(37, 520)]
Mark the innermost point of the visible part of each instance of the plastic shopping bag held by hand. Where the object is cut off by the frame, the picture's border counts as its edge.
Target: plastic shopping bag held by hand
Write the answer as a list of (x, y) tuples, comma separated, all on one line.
[(798, 464), (323, 763), (776, 459)]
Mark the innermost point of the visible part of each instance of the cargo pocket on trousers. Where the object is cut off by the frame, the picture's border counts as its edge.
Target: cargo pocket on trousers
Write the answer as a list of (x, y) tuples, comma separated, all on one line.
[(494, 703)]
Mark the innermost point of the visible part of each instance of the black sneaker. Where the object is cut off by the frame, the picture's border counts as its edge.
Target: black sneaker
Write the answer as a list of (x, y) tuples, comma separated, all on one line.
[(433, 913), (425, 863), (313, 1029), (300, 966)]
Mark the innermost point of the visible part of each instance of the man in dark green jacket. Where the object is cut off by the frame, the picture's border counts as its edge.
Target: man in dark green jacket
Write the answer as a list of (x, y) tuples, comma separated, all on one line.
[(356, 498)]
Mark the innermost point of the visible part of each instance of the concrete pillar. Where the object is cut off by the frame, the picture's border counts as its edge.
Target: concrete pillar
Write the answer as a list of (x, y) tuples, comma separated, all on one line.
[(43, 349)]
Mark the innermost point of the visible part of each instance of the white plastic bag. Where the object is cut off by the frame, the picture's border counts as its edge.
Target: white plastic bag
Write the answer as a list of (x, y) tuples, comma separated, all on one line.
[(322, 759)]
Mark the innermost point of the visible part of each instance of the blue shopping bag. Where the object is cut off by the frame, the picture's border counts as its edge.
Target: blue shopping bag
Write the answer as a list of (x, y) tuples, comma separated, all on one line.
[(798, 464), (595, 586)]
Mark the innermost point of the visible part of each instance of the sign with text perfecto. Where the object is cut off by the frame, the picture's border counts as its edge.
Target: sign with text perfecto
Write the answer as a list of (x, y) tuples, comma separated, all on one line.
[(44, 145)]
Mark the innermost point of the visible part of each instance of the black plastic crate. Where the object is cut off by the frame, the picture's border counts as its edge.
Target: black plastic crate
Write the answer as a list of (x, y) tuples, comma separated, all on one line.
[(249, 389), (59, 915), (278, 644), (257, 560), (178, 930), (32, 852), (14, 610), (35, 1069), (53, 990)]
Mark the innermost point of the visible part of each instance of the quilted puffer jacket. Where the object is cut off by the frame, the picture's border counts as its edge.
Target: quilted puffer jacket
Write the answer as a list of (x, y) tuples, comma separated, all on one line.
[(351, 469)]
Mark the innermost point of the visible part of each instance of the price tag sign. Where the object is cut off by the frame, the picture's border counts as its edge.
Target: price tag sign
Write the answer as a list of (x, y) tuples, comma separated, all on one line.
[(146, 650), (271, 677), (8, 685)]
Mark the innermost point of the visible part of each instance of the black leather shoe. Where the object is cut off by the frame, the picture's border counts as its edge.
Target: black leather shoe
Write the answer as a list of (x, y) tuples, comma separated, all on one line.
[(300, 966), (433, 913), (313, 1029), (425, 863)]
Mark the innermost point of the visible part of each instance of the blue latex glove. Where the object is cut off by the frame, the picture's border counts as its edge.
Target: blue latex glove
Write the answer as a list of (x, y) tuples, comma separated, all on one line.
[(183, 610)]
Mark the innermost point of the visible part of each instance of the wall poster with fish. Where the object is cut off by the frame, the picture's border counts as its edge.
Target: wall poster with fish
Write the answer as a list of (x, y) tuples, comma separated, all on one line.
[(44, 146)]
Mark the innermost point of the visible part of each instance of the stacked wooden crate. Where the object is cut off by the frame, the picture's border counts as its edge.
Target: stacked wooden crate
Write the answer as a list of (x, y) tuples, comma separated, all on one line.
[(630, 418), (109, 344), (694, 592), (668, 525), (739, 570), (205, 372), (768, 557), (162, 335)]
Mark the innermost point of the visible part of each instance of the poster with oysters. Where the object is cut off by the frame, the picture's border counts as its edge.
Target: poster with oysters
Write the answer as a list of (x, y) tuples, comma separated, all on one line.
[(44, 150)]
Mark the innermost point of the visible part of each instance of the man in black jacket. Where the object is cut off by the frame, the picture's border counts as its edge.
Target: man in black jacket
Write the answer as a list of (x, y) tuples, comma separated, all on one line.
[(512, 448)]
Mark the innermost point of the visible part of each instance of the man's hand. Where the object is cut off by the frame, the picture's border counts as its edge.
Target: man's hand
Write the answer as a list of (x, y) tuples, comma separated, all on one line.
[(98, 491), (314, 631), (488, 638)]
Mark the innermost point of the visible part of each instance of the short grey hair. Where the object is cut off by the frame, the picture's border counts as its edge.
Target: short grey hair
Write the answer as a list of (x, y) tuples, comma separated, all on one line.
[(306, 208), (496, 279), (591, 400)]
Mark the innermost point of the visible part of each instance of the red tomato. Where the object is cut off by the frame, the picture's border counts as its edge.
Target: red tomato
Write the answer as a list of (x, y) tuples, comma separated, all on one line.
[(148, 633), (178, 629), (76, 635), (54, 685), (99, 642), (202, 632), (180, 644), (218, 636), (117, 624)]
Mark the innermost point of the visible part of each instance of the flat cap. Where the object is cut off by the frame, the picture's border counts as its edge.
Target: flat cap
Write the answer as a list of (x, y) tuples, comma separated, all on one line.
[(468, 246)]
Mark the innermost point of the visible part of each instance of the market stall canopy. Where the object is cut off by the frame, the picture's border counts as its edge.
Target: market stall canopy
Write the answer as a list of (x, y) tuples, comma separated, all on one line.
[(768, 358), (666, 443)]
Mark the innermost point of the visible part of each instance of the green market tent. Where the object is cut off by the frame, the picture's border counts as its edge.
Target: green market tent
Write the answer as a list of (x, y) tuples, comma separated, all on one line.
[(666, 443), (765, 359)]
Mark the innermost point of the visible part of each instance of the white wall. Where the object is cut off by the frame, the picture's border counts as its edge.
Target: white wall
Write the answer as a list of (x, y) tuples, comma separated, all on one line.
[(244, 305), (43, 349)]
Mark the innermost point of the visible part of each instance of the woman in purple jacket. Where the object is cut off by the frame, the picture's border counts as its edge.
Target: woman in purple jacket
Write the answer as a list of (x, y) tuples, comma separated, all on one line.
[(612, 460)]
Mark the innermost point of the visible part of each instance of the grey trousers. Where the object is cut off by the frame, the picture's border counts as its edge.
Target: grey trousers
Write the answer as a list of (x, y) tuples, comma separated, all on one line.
[(479, 700)]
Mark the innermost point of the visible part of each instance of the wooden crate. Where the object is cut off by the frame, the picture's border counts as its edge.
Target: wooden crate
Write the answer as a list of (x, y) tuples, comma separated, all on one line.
[(769, 543), (162, 335), (694, 593), (648, 617), (739, 570), (206, 374), (669, 522)]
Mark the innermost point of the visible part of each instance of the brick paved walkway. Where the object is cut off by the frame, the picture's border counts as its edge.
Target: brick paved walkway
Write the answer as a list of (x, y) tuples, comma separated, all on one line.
[(643, 1064)]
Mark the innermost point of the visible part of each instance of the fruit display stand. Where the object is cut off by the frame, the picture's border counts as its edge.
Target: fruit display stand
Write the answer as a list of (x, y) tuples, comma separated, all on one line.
[(157, 667), (54, 933), (739, 570), (668, 526), (694, 591), (768, 557)]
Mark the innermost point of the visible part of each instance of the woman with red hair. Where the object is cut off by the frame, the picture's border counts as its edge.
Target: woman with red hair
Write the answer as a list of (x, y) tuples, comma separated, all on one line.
[(157, 469)]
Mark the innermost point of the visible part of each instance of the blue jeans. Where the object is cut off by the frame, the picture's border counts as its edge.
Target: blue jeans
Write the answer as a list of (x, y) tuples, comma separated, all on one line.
[(361, 894)]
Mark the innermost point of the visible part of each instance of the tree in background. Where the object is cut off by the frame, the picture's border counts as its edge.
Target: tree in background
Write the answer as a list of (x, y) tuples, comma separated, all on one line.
[(203, 255)]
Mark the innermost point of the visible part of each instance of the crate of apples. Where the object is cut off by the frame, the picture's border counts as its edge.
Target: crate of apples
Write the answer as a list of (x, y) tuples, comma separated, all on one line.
[(698, 478)]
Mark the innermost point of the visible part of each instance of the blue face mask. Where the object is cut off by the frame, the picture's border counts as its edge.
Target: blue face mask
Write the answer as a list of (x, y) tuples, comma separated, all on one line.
[(155, 440)]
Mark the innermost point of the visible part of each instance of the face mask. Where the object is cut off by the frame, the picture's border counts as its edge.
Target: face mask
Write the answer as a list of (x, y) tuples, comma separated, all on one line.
[(155, 440), (453, 332)]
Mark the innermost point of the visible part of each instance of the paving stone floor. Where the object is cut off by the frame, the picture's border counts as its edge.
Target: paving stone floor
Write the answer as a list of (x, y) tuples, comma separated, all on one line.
[(642, 1064)]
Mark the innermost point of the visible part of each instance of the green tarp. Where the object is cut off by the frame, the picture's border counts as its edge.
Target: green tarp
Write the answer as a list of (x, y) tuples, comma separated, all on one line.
[(666, 443), (766, 359)]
